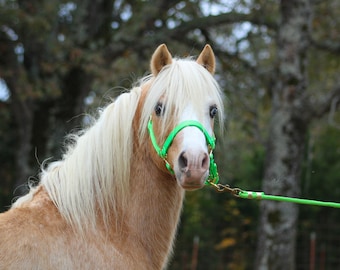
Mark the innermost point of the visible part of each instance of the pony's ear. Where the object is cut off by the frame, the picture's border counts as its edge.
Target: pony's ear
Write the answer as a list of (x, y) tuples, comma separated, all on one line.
[(160, 58), (207, 59)]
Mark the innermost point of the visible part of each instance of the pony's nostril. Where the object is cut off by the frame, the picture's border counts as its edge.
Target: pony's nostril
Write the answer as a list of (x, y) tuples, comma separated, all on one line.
[(205, 162), (182, 161), (189, 162)]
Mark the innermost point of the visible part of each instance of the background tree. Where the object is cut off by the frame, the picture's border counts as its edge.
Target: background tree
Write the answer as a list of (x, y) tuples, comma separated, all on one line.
[(285, 144), (277, 63)]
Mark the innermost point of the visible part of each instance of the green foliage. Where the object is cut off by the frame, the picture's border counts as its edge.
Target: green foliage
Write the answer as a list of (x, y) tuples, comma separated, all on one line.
[(320, 181), (322, 166)]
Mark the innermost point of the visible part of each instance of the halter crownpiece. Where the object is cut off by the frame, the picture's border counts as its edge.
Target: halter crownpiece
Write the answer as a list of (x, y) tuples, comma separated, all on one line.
[(162, 152)]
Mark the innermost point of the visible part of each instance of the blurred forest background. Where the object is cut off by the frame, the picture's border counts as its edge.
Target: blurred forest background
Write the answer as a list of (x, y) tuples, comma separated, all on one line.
[(278, 64)]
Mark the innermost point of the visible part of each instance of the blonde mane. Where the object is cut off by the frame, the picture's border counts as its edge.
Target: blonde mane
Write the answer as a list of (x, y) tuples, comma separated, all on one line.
[(93, 176), (94, 173)]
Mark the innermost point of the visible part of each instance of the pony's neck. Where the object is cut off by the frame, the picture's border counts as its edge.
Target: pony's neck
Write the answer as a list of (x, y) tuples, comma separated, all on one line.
[(154, 208)]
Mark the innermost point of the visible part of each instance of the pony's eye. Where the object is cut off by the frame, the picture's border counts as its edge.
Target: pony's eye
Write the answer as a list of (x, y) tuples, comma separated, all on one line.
[(213, 111), (159, 109)]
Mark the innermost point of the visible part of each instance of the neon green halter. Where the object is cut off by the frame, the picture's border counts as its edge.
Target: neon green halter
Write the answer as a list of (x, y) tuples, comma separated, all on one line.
[(162, 152)]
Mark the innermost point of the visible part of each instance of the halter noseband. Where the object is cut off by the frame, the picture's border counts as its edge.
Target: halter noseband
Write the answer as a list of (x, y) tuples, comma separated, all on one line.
[(162, 152)]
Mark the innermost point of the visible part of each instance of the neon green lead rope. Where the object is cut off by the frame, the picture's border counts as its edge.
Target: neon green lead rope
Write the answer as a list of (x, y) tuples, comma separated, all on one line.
[(262, 196)]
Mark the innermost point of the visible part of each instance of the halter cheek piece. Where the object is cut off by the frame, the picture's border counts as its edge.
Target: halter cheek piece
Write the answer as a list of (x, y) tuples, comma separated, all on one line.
[(162, 152)]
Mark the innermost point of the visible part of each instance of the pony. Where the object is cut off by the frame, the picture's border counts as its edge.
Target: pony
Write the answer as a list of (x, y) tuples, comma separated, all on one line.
[(114, 199)]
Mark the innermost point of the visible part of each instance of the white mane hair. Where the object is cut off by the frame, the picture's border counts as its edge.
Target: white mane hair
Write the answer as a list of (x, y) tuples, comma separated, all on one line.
[(93, 176), (94, 173)]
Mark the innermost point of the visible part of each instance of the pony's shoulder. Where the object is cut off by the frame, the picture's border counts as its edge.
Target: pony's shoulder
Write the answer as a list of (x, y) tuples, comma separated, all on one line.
[(32, 220), (35, 236)]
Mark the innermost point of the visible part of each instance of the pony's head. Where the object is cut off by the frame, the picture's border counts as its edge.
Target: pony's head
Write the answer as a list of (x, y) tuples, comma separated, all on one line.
[(180, 106)]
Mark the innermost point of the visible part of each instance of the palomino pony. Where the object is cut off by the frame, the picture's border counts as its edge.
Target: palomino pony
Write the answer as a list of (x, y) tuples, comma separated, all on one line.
[(114, 200)]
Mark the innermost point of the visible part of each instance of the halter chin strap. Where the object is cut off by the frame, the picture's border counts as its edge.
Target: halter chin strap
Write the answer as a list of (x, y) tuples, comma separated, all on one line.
[(163, 152)]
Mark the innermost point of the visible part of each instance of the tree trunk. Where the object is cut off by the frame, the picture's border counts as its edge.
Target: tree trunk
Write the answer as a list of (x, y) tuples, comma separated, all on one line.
[(286, 140)]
